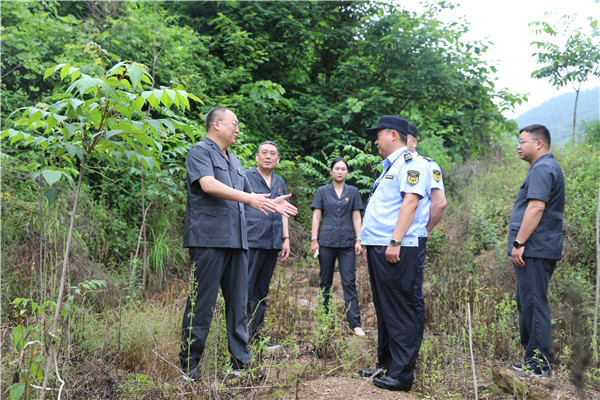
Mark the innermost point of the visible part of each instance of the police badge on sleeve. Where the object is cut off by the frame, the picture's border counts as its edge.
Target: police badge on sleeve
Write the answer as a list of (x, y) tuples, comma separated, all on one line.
[(413, 177), (437, 175)]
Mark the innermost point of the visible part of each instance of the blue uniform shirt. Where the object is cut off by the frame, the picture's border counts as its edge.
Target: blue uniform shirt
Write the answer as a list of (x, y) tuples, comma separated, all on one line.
[(544, 181), (211, 221), (401, 174), (264, 231), (337, 228), (434, 181)]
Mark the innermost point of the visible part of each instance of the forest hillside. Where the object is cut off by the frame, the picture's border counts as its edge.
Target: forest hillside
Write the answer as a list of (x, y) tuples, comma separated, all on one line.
[(557, 114)]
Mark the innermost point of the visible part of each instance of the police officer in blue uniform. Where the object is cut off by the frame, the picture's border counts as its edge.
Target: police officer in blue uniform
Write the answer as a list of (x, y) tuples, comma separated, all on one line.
[(535, 245), (215, 233), (392, 252), (339, 205), (429, 213), (267, 235)]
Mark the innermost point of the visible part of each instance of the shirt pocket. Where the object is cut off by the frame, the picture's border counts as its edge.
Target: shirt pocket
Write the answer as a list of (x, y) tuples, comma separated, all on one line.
[(255, 229), (238, 180), (222, 173), (212, 222)]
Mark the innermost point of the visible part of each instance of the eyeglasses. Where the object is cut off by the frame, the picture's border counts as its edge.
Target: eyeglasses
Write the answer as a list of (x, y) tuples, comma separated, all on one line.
[(235, 124), (265, 153), (520, 142)]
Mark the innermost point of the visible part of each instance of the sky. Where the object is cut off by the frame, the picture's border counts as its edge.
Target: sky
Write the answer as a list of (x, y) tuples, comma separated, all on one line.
[(505, 24)]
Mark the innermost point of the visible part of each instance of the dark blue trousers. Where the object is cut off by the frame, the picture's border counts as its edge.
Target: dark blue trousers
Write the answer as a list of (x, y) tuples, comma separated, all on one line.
[(399, 319), (216, 267), (535, 324), (347, 264), (261, 264), (419, 298)]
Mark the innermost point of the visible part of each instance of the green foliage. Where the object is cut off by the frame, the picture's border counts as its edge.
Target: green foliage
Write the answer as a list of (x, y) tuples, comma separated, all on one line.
[(591, 132), (582, 179), (572, 62), (574, 59), (557, 115), (29, 335), (27, 50)]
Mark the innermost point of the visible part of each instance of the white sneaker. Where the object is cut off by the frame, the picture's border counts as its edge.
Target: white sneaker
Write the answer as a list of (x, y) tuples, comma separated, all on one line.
[(359, 332)]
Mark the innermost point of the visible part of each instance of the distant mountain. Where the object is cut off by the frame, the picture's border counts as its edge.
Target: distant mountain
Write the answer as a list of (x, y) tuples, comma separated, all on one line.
[(557, 114)]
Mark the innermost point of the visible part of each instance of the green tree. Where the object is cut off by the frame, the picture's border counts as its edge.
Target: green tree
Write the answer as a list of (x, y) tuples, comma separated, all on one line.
[(103, 115), (344, 64), (573, 60)]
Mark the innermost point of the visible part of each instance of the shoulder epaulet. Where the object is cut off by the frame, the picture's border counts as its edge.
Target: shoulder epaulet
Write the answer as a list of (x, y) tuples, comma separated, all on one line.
[(428, 159), (407, 156)]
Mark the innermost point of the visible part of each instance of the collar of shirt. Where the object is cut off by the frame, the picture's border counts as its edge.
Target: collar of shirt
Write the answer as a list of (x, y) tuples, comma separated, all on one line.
[(216, 147), (330, 186), (393, 157)]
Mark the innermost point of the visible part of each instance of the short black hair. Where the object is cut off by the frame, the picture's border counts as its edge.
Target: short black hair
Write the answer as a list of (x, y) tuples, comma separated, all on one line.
[(338, 159), (268, 142), (212, 115), (538, 131)]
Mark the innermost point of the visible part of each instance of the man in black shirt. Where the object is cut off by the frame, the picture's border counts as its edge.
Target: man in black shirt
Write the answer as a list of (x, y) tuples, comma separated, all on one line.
[(215, 233), (535, 245), (267, 235)]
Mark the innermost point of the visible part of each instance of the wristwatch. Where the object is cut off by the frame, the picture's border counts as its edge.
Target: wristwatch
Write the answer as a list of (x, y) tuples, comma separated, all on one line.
[(395, 242), (517, 244)]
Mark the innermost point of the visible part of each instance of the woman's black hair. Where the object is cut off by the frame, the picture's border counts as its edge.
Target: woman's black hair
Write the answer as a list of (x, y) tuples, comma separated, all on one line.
[(337, 160)]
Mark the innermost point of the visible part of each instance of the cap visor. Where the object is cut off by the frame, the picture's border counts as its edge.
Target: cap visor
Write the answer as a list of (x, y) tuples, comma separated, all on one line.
[(372, 131)]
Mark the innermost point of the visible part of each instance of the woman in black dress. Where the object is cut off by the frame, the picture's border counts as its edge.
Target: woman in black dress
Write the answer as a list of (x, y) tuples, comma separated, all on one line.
[(340, 206)]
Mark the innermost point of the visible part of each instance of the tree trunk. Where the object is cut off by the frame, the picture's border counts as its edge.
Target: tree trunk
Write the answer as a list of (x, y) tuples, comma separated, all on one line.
[(597, 278), (63, 276), (144, 261), (575, 113)]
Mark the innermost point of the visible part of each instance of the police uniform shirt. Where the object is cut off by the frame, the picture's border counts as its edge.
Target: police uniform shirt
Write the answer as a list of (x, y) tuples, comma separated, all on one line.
[(401, 174), (544, 181), (434, 182), (337, 228), (211, 221), (264, 231)]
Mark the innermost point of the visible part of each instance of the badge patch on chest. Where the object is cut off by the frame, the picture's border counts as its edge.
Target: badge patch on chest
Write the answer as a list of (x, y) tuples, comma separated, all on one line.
[(413, 177), (437, 175)]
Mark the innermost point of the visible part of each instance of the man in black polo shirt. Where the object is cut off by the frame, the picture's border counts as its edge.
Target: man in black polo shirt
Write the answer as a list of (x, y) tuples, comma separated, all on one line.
[(535, 245), (215, 233), (267, 235)]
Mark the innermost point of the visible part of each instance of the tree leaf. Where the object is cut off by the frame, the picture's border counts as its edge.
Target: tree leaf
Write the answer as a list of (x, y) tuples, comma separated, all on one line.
[(16, 391), (51, 176), (155, 125), (52, 195), (84, 84), (135, 75), (74, 151)]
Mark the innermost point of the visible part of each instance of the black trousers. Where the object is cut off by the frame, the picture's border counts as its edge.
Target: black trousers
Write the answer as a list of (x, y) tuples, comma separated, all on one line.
[(399, 317), (347, 264), (419, 298), (216, 267), (535, 323), (261, 264)]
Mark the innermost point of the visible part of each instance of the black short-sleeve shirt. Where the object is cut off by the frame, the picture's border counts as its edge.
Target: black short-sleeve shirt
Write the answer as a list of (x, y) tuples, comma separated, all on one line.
[(211, 221), (264, 231), (336, 228), (544, 181)]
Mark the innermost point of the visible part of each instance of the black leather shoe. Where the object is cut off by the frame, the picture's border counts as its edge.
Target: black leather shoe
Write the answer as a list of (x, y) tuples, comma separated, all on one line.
[(193, 375), (390, 383), (367, 373)]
